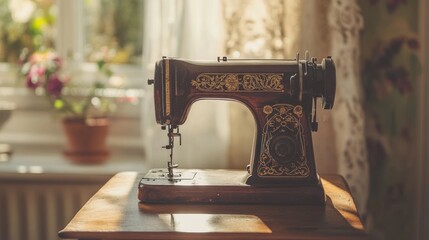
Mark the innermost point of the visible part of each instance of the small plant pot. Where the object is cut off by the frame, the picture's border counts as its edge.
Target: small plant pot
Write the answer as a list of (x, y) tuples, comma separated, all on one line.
[(86, 140)]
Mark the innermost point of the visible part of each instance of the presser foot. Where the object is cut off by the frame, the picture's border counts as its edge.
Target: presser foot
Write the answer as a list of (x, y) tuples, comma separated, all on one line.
[(221, 186)]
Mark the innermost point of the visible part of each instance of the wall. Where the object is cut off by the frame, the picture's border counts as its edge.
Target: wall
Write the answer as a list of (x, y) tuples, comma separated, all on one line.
[(390, 70)]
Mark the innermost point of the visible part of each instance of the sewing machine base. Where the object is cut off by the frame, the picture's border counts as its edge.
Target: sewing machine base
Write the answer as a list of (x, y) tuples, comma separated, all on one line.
[(221, 186)]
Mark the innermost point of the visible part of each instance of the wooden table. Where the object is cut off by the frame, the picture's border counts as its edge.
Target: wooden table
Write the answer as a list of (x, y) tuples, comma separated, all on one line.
[(115, 213)]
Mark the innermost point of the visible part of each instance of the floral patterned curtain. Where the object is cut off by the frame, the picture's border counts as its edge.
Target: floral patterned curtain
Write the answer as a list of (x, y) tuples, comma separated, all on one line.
[(391, 75)]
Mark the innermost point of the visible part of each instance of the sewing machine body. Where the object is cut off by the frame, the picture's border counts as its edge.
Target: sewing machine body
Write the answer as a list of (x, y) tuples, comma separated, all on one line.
[(280, 96)]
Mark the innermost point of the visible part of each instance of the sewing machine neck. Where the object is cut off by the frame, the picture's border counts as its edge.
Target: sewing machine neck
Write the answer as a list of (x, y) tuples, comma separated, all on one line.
[(179, 83)]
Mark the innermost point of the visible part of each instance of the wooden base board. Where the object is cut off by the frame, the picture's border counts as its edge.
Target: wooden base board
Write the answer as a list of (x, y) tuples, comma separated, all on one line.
[(221, 186)]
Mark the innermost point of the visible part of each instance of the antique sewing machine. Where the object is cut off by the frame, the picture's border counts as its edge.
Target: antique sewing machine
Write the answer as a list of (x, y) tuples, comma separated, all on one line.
[(282, 97)]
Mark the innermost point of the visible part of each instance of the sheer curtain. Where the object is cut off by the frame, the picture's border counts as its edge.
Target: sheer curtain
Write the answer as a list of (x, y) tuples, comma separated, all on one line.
[(188, 29)]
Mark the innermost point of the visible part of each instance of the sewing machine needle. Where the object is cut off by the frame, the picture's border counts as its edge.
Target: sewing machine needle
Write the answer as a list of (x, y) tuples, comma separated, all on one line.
[(171, 135)]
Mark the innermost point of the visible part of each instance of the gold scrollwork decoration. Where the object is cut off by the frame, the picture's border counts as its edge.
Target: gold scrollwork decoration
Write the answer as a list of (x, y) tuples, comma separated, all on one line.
[(239, 82), (267, 109), (283, 119)]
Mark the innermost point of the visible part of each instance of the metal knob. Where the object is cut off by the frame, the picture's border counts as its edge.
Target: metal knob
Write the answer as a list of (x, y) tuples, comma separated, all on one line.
[(150, 81)]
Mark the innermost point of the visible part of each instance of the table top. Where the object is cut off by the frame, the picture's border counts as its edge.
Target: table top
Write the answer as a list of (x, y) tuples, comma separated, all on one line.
[(115, 213)]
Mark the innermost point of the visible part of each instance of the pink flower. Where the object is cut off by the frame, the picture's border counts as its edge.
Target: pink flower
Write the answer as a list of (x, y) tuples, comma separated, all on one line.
[(35, 76), (32, 83), (36, 71), (54, 85)]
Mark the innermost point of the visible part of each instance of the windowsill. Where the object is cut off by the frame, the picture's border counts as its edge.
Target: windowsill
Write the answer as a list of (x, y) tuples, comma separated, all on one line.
[(43, 163)]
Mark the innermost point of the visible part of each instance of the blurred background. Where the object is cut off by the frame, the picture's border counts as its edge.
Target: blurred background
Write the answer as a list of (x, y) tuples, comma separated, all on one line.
[(91, 59)]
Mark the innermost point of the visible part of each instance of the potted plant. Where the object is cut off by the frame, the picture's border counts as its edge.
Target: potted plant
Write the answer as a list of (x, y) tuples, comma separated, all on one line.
[(85, 118)]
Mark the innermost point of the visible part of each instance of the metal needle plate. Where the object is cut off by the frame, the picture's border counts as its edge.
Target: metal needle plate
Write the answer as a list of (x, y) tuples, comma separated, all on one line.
[(162, 174)]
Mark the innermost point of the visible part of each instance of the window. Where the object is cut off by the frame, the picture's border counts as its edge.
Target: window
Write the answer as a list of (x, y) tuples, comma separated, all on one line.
[(83, 32), (113, 28), (109, 27), (25, 24)]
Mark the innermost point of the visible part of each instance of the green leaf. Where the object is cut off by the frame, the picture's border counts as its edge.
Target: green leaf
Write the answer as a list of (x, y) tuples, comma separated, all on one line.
[(38, 24), (59, 104), (108, 72), (100, 64), (99, 85)]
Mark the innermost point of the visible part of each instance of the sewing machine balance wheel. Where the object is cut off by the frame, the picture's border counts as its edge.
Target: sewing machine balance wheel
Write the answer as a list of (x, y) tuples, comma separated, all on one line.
[(328, 92)]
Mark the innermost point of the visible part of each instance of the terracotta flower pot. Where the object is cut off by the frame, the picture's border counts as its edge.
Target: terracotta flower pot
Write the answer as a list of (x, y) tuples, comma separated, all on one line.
[(86, 140)]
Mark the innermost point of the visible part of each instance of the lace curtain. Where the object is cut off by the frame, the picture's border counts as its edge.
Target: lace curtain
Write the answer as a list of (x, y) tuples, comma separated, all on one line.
[(279, 29), (220, 134), (345, 22)]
